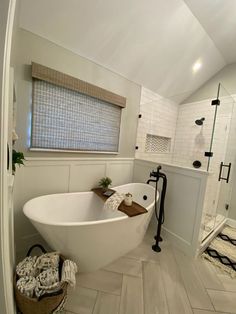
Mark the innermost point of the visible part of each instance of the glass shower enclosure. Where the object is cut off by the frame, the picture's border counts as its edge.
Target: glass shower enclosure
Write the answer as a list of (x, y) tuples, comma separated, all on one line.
[(221, 162)]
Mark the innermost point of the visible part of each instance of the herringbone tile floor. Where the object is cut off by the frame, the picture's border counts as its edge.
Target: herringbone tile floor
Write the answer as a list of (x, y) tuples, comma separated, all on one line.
[(144, 282)]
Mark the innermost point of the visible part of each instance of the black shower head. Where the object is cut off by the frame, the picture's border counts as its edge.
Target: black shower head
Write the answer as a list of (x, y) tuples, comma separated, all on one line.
[(199, 121)]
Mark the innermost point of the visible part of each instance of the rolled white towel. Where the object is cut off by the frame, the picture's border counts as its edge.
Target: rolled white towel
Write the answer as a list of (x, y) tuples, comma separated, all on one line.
[(47, 282), (27, 267), (26, 285), (48, 260), (69, 269), (114, 201)]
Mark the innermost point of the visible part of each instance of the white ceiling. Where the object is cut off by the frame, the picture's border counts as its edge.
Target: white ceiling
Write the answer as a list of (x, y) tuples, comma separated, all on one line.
[(154, 43), (218, 17)]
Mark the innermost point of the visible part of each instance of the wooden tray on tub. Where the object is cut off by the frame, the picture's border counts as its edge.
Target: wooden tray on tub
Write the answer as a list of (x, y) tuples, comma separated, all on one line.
[(134, 210)]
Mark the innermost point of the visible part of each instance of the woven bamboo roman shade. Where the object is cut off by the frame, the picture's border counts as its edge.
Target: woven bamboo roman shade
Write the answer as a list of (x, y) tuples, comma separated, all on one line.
[(60, 79), (69, 114)]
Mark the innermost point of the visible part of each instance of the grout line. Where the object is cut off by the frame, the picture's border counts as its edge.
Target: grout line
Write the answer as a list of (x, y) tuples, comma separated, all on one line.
[(95, 301), (142, 268), (119, 273), (121, 293), (181, 277), (108, 292), (195, 308), (163, 283)]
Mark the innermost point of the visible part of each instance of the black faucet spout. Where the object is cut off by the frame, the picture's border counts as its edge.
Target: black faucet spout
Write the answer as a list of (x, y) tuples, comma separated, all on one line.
[(150, 180)]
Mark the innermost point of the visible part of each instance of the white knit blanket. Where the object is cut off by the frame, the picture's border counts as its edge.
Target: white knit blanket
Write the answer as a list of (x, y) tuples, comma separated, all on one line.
[(114, 201)]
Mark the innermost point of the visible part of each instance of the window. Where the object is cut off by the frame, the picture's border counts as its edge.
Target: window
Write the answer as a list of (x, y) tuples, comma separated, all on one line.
[(66, 119)]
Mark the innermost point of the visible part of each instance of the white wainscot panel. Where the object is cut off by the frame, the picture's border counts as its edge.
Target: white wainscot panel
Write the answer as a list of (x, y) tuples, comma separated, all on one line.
[(39, 179), (32, 180), (120, 172), (183, 203), (84, 177)]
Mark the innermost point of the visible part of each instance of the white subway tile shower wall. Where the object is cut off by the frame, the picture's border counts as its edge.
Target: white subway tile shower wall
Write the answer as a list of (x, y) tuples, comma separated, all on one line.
[(191, 140), (159, 116)]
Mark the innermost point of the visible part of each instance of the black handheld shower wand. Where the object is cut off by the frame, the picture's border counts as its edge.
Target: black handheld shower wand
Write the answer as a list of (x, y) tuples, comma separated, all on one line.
[(161, 217)]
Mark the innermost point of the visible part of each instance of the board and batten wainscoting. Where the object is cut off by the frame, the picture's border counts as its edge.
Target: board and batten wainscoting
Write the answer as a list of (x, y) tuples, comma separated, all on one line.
[(183, 203), (41, 176)]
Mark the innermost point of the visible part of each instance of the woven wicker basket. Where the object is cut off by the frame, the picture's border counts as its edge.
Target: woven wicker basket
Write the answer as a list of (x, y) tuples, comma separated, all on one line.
[(48, 303)]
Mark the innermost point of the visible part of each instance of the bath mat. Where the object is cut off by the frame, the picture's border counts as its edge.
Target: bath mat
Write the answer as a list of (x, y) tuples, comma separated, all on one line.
[(222, 251)]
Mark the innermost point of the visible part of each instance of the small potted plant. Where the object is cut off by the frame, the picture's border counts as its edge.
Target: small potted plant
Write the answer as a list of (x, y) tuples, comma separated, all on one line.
[(17, 159), (104, 183)]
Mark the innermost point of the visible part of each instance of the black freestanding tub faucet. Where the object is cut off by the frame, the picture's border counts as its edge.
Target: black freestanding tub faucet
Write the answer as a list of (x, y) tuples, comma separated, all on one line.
[(161, 217)]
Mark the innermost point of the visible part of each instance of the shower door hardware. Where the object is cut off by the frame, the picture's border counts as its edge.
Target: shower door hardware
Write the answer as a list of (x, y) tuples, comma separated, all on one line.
[(140, 116), (8, 157), (226, 206), (208, 154), (215, 102), (136, 147), (228, 174)]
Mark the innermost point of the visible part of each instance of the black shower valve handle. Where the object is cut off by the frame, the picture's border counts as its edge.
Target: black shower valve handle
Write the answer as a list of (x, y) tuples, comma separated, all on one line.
[(155, 173)]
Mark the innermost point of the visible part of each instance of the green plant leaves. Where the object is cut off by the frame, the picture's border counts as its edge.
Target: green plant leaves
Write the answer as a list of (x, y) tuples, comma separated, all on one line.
[(17, 159)]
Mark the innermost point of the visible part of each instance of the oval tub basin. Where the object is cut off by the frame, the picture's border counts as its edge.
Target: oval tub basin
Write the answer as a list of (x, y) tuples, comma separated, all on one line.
[(76, 225)]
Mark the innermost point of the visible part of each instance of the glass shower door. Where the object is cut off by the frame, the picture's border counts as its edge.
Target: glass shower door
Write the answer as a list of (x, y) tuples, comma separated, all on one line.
[(227, 164), (222, 162)]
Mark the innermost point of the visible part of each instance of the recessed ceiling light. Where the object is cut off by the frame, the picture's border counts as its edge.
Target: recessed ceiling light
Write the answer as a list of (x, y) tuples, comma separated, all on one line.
[(197, 66)]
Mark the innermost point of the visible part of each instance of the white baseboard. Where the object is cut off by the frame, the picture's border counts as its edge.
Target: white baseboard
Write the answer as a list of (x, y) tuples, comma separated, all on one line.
[(231, 222), (179, 242), (206, 242)]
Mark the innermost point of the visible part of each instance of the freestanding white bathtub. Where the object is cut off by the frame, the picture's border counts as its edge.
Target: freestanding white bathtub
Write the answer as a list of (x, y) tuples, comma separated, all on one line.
[(76, 225)]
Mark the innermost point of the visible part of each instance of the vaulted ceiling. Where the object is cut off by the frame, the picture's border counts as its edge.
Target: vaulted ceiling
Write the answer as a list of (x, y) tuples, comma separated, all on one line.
[(154, 43)]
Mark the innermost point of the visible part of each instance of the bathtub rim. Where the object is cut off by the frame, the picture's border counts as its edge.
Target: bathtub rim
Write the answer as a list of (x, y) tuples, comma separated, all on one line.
[(84, 223)]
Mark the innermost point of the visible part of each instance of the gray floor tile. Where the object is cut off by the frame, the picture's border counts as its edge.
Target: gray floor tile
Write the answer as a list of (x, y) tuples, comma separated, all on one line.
[(81, 301), (101, 280), (107, 304), (223, 301), (125, 265), (132, 295), (196, 292), (177, 299), (153, 288), (229, 284), (208, 275)]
